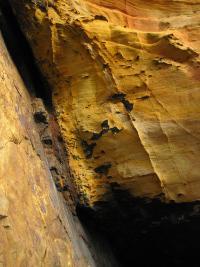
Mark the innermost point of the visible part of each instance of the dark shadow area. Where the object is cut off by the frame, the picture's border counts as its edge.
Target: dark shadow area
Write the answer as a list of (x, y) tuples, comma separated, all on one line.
[(22, 55), (144, 232)]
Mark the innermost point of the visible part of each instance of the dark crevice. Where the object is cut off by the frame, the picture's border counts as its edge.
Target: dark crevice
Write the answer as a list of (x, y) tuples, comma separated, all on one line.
[(22, 55), (121, 97)]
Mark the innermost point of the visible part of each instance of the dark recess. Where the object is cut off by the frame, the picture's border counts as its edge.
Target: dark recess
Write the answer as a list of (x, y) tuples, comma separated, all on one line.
[(146, 233), (22, 55)]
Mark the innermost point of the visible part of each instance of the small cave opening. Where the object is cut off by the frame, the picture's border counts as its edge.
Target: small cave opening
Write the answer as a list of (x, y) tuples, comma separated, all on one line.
[(22, 55)]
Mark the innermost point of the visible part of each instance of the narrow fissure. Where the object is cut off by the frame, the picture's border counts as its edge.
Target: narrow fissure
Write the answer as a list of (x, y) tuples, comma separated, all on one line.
[(22, 55)]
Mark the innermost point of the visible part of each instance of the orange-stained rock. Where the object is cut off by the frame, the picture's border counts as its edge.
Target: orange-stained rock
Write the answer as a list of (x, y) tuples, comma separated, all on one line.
[(125, 81)]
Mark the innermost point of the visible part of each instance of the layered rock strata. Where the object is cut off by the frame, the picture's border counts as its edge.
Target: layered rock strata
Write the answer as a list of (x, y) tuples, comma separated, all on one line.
[(125, 86)]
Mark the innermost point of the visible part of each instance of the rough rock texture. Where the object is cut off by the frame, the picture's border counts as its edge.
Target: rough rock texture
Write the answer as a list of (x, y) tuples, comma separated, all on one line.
[(125, 85), (36, 228)]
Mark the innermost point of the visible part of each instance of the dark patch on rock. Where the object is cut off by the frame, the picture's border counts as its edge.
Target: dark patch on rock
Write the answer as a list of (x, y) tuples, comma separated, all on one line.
[(47, 141), (3, 217), (121, 97), (128, 106), (105, 125), (100, 17), (105, 65), (105, 129), (64, 188), (144, 97), (96, 136), (103, 169), (115, 130), (88, 148), (60, 139), (40, 117), (41, 4), (118, 96), (137, 58), (58, 187), (54, 171)]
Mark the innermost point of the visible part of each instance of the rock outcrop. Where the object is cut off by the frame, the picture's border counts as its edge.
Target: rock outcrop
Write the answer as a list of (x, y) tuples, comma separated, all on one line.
[(115, 138), (125, 86), (33, 217), (38, 226)]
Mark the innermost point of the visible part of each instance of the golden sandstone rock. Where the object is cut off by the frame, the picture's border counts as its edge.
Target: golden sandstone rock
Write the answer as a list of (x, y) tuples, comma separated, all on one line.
[(125, 86), (36, 228)]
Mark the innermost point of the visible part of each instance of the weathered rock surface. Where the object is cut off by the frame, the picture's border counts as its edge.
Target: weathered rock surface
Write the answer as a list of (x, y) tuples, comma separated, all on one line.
[(125, 86), (125, 81), (36, 227)]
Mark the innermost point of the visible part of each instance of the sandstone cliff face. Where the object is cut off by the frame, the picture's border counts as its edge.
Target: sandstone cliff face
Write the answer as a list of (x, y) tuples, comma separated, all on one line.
[(36, 227), (125, 86), (125, 91)]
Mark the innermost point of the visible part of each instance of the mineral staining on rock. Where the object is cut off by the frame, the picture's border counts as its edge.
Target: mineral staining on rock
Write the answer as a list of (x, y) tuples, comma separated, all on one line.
[(135, 65)]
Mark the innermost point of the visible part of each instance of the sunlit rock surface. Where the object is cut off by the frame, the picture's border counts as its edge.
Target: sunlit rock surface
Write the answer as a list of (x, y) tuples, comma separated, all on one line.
[(36, 228), (125, 86)]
